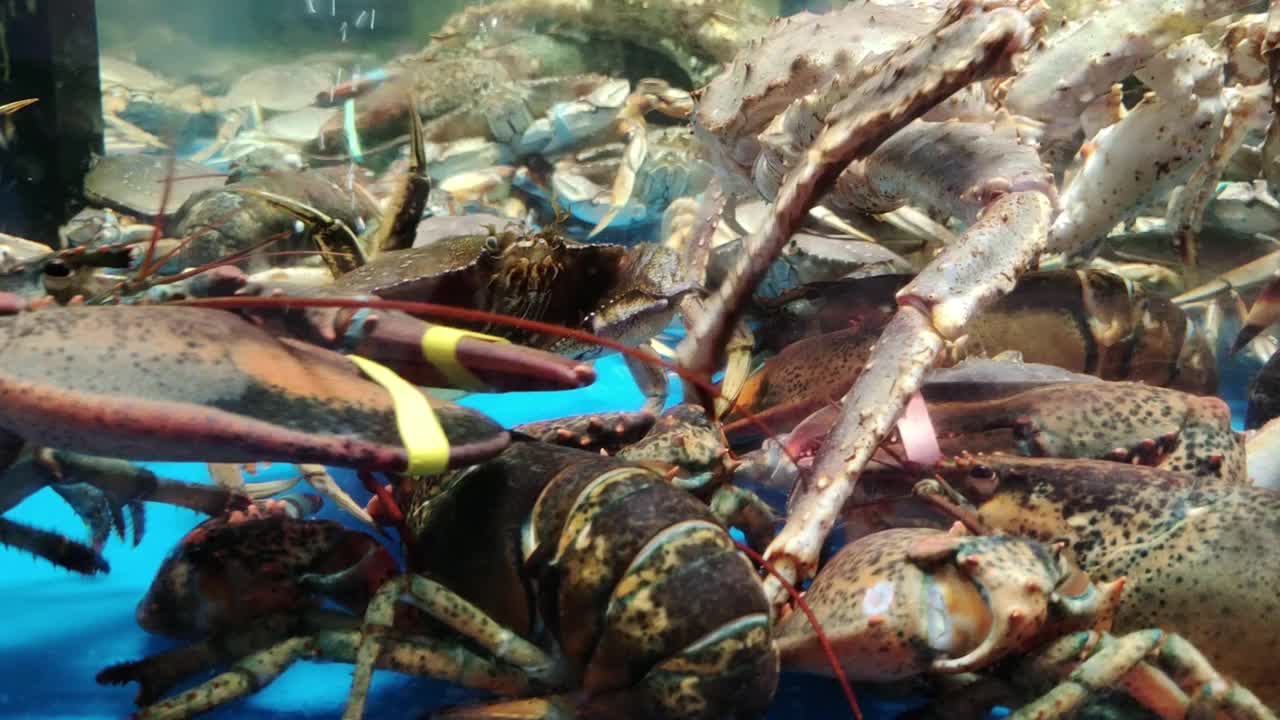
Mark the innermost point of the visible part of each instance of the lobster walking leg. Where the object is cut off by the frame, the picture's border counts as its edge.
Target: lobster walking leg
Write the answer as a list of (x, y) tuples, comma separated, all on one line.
[(1123, 660), (740, 508), (415, 656), (460, 665), (53, 547)]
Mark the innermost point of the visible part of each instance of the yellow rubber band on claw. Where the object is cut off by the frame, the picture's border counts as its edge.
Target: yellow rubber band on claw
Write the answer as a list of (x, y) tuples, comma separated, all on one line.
[(420, 430), (440, 348)]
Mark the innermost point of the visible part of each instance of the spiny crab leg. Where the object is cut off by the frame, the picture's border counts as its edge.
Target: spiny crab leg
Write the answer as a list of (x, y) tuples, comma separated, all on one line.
[(1247, 107), (972, 42), (1271, 145), (932, 309), (1264, 313), (1152, 150), (1185, 117), (1245, 277), (1080, 64)]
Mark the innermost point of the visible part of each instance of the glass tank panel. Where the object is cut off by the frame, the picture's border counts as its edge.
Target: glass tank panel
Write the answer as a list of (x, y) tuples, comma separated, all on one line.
[(639, 358)]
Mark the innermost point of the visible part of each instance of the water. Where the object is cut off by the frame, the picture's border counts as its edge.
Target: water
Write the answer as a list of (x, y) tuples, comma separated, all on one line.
[(533, 114)]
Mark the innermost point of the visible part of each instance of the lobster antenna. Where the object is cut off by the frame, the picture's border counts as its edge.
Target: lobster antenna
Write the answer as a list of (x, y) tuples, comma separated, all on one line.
[(171, 163), (813, 620)]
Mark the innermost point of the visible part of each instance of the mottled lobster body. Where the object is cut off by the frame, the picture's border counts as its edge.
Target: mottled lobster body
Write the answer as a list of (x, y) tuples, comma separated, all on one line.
[(655, 611)]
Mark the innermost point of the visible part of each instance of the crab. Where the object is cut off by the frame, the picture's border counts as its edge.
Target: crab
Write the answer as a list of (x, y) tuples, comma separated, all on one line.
[(697, 35), (643, 180), (852, 136), (137, 104)]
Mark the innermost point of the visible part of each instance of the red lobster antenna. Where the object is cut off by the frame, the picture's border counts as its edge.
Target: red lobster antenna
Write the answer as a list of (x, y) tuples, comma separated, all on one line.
[(823, 640)]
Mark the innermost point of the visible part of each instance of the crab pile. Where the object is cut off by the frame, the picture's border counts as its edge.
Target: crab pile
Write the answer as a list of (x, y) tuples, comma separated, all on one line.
[(971, 269)]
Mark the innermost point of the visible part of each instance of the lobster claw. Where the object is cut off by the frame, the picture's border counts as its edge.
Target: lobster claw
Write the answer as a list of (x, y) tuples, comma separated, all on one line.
[(1024, 593), (423, 353), (193, 384)]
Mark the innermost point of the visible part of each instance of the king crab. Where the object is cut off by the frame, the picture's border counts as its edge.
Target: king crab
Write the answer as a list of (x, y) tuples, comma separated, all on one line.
[(853, 138)]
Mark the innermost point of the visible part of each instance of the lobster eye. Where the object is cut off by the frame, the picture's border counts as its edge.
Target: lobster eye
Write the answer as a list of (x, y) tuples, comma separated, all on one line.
[(1073, 581), (491, 244), (57, 268)]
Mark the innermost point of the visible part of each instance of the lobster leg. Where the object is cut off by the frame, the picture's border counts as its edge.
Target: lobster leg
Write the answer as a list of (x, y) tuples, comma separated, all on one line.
[(1189, 667), (738, 507), (159, 673), (532, 665), (1120, 661), (53, 547), (266, 651)]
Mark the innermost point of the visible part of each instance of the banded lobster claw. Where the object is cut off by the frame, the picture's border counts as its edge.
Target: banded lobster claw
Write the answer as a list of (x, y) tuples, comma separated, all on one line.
[(198, 384)]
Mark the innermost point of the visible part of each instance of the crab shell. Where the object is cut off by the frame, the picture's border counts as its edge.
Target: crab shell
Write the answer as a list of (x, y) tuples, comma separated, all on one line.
[(905, 602)]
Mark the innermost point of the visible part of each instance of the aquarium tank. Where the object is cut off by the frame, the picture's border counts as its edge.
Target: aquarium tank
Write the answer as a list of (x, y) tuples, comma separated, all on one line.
[(639, 359)]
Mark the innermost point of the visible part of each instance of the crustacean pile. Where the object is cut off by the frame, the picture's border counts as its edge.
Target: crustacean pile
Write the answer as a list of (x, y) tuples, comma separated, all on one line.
[(975, 270)]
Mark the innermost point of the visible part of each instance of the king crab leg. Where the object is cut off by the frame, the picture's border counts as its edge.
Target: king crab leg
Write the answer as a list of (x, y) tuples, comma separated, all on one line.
[(970, 43)]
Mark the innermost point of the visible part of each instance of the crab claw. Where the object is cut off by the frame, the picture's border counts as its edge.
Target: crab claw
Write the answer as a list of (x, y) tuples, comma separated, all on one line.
[(339, 246), (633, 124), (1264, 313)]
